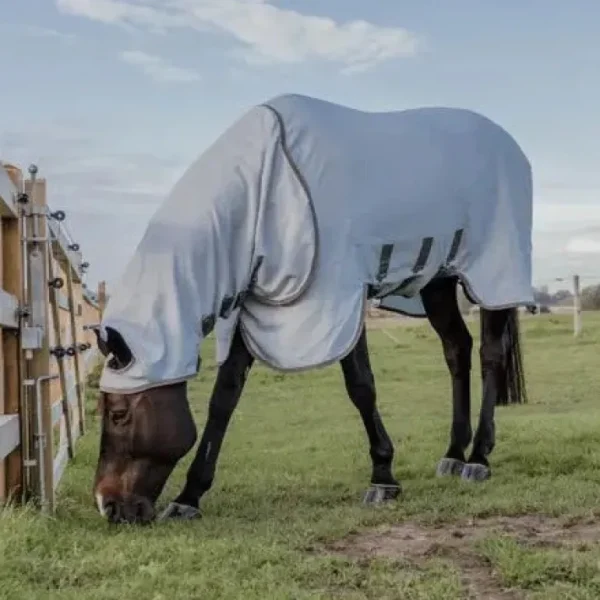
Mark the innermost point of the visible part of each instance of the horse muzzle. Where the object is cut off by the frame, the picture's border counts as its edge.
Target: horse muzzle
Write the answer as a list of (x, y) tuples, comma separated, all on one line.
[(131, 510)]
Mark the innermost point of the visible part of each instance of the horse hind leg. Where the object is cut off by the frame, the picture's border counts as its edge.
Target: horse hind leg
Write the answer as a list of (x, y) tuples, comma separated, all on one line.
[(502, 383), (360, 385), (441, 306)]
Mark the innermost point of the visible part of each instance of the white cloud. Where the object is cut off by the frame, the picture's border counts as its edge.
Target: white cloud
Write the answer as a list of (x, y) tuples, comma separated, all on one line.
[(38, 32), (121, 13), (157, 68), (566, 235), (583, 246), (567, 215), (266, 33)]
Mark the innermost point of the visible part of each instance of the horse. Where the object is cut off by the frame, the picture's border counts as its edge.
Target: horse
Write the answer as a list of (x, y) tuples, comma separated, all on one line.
[(275, 239)]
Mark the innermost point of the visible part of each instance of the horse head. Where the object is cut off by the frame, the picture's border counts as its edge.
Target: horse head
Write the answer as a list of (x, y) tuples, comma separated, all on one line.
[(143, 436)]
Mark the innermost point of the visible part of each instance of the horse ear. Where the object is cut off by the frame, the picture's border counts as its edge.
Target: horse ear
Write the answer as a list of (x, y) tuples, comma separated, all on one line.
[(115, 345), (101, 343)]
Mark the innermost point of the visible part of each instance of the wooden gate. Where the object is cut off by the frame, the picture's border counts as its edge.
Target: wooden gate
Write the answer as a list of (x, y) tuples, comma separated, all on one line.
[(47, 349)]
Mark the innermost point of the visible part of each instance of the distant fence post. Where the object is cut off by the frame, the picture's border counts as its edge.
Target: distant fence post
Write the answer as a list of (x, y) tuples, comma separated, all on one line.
[(576, 306)]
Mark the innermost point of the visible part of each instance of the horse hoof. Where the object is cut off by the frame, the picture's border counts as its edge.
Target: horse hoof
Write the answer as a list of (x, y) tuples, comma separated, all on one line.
[(380, 493), (475, 472), (179, 512), (450, 466)]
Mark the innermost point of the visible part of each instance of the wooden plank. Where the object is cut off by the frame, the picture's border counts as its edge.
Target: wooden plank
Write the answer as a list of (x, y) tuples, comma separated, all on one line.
[(14, 174), (9, 305), (71, 397), (90, 298), (59, 466), (65, 256), (62, 458), (10, 434), (8, 193), (63, 301), (58, 341), (12, 282), (101, 297), (56, 411)]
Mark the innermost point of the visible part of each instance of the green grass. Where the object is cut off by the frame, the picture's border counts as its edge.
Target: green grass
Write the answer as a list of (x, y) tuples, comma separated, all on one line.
[(291, 476)]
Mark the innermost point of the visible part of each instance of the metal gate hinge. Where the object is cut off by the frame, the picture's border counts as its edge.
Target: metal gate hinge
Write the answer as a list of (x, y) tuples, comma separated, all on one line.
[(23, 312)]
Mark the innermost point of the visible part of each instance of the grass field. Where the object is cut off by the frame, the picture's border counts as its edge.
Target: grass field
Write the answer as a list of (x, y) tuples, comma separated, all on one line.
[(284, 519)]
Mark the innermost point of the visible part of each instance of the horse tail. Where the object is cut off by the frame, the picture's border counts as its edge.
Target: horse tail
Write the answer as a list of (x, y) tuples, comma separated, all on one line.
[(512, 389)]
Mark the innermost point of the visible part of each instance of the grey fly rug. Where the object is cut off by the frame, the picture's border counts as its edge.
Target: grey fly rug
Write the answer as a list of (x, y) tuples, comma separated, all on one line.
[(303, 208)]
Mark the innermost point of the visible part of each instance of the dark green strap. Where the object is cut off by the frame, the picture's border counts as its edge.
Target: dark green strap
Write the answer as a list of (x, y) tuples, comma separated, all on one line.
[(226, 307), (422, 258), (421, 261), (384, 261), (254, 275), (208, 324), (241, 296), (239, 299), (456, 240)]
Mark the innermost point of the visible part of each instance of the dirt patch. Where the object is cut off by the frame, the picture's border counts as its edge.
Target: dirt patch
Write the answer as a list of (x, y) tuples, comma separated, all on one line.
[(416, 544)]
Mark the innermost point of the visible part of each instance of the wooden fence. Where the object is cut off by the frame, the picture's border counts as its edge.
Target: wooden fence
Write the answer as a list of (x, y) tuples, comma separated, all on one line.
[(46, 347)]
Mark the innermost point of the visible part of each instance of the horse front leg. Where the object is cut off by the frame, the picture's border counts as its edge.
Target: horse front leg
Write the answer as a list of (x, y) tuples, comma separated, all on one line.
[(227, 390), (360, 385)]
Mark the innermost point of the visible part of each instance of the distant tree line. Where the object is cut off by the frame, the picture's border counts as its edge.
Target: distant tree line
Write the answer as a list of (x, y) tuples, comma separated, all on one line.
[(590, 298), (543, 296)]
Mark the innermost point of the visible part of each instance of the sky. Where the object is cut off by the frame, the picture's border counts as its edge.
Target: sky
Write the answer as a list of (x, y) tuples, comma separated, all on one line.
[(113, 99)]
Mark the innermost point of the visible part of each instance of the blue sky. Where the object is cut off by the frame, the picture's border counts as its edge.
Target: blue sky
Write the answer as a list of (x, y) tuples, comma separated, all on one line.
[(114, 98)]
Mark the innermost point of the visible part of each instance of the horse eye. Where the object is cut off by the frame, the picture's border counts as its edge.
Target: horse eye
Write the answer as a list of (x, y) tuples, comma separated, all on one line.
[(119, 416)]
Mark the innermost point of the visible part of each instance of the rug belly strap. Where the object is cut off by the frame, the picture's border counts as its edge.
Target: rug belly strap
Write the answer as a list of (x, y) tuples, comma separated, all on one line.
[(424, 253), (381, 290)]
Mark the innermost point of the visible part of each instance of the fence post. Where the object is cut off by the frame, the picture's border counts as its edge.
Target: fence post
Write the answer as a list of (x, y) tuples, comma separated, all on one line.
[(12, 282), (37, 259), (576, 306)]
